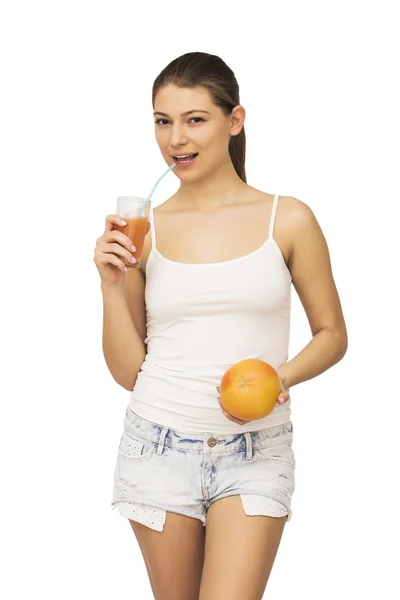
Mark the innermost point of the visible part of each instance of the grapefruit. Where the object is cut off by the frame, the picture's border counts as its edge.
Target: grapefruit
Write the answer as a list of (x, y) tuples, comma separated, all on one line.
[(250, 389)]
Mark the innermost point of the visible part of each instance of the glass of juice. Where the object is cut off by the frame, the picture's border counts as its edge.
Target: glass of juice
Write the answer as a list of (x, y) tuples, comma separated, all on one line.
[(129, 208)]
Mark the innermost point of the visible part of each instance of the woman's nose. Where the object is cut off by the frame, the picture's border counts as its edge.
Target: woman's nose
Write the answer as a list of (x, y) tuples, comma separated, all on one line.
[(178, 136)]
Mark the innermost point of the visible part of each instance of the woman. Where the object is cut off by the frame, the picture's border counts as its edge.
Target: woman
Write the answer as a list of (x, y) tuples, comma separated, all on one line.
[(213, 288)]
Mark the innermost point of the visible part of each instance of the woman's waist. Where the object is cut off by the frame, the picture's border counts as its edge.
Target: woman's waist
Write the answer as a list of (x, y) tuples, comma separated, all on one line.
[(209, 364), (193, 382), (191, 406), (182, 375)]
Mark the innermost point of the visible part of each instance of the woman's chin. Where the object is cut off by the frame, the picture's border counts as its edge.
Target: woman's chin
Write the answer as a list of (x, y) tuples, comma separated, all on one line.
[(188, 177)]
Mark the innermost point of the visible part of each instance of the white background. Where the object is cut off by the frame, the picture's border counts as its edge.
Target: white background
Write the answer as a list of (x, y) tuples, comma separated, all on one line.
[(318, 81)]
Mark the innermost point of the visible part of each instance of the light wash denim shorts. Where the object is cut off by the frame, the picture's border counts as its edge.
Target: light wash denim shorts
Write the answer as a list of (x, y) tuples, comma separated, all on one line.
[(162, 470)]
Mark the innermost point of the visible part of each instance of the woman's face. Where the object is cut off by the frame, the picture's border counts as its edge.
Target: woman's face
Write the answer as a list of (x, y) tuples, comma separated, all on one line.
[(187, 122)]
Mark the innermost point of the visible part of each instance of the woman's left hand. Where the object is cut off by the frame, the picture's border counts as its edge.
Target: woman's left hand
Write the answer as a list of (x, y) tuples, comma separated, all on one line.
[(282, 398)]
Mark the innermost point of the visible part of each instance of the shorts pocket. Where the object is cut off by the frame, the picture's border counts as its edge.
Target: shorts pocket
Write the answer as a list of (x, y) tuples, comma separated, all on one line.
[(134, 448), (277, 453)]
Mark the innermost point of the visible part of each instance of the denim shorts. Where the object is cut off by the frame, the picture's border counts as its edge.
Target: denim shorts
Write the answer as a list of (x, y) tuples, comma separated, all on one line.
[(162, 470)]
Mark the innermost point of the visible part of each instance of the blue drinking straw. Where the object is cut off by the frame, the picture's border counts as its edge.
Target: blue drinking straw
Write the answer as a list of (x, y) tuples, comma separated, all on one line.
[(152, 191)]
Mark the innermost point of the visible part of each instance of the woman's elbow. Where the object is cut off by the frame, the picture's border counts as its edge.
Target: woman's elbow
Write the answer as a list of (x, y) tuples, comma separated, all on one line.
[(128, 384)]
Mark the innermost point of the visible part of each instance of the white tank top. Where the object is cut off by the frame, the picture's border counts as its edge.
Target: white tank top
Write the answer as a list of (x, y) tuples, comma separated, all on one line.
[(203, 318)]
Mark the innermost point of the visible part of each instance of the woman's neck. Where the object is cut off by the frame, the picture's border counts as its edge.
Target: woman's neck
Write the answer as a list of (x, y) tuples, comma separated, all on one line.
[(222, 187)]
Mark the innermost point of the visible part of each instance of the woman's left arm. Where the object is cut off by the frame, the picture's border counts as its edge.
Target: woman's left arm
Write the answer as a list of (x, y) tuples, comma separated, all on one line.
[(310, 267)]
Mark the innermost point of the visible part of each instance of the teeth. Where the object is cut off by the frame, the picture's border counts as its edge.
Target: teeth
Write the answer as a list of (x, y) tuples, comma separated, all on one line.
[(184, 156)]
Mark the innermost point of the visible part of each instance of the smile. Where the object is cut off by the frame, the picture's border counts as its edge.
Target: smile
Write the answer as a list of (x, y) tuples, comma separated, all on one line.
[(185, 159)]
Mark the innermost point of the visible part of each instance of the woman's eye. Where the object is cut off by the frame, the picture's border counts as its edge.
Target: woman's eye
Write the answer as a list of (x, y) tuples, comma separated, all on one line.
[(165, 121)]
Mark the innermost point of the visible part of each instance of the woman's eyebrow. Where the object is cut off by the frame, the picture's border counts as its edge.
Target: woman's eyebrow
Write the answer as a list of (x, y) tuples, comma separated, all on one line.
[(185, 114)]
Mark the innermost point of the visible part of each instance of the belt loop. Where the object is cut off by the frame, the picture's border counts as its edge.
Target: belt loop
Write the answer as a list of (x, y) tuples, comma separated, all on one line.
[(249, 446), (161, 440)]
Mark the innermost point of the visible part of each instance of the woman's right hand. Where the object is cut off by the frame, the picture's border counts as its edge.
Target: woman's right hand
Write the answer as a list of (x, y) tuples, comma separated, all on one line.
[(111, 248)]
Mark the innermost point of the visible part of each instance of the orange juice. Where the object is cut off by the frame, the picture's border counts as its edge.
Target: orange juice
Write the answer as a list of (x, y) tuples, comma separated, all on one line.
[(135, 229)]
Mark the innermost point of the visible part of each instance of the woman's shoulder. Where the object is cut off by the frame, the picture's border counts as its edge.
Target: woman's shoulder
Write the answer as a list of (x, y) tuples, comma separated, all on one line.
[(288, 204), (291, 212), (295, 215), (293, 219), (295, 225)]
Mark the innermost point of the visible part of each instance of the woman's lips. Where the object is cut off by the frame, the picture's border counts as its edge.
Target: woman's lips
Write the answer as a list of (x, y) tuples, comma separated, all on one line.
[(185, 162)]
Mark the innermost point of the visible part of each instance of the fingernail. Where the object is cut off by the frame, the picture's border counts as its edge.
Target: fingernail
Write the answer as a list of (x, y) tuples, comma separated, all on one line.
[(123, 222), (133, 248), (281, 400)]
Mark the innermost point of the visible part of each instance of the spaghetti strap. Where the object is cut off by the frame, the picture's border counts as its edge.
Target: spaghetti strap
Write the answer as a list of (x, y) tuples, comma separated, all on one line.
[(273, 214), (152, 226)]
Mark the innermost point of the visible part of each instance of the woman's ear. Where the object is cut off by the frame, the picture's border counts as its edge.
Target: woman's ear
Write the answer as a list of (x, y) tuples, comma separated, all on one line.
[(237, 120)]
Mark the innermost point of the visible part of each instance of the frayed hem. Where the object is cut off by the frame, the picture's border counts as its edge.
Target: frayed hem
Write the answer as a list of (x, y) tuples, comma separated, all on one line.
[(149, 516), (263, 506), (146, 515)]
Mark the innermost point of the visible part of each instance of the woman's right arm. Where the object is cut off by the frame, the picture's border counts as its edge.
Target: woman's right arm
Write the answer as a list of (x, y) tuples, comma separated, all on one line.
[(124, 328), (124, 318)]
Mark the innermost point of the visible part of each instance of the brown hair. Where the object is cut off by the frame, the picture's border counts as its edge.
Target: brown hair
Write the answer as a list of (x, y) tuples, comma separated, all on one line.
[(210, 71)]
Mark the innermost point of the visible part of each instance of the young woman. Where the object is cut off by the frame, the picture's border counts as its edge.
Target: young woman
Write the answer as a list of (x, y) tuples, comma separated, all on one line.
[(214, 288)]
